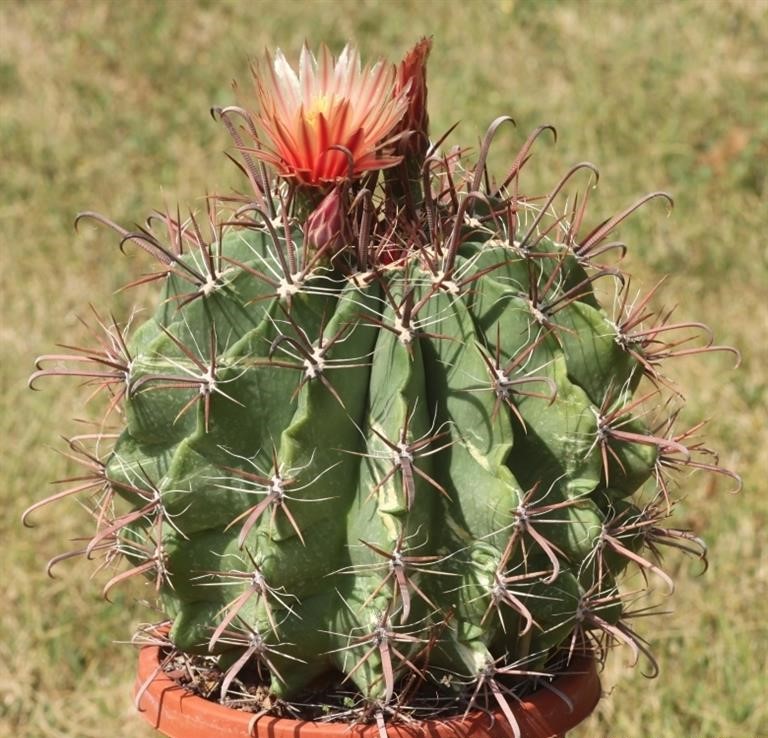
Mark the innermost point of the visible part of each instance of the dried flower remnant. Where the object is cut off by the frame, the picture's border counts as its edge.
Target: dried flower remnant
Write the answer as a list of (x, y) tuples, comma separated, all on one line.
[(412, 80)]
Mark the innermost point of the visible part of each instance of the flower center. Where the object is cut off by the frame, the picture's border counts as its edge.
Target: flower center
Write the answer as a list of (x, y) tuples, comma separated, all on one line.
[(319, 106)]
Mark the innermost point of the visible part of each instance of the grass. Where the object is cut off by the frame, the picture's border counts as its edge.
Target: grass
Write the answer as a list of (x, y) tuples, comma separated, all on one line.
[(104, 106)]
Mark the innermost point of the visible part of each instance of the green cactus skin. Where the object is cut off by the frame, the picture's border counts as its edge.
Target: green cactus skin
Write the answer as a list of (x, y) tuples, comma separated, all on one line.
[(397, 459)]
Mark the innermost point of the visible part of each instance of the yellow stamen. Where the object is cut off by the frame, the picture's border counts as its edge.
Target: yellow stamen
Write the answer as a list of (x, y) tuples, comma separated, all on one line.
[(320, 106)]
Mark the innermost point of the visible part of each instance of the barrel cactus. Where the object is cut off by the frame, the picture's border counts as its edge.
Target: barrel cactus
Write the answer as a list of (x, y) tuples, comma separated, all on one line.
[(379, 428)]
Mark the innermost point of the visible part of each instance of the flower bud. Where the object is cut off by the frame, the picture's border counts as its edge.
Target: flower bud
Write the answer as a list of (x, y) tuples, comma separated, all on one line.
[(324, 223)]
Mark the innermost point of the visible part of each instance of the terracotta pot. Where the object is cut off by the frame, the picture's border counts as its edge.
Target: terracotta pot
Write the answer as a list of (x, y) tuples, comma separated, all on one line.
[(178, 714)]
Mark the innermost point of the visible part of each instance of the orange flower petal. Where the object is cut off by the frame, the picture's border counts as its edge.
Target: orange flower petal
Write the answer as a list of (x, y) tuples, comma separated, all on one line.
[(328, 103)]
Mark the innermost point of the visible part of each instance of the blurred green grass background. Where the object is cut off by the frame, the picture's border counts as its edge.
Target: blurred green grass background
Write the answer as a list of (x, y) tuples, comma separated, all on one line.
[(104, 105)]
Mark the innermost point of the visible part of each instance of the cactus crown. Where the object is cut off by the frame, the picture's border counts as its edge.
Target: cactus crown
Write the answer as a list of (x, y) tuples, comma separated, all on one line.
[(379, 425)]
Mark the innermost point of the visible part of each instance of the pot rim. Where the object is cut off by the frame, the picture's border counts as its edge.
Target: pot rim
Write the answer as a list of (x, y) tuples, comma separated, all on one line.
[(177, 713)]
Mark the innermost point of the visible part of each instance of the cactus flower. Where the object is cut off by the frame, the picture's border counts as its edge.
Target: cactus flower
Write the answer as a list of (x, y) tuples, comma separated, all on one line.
[(330, 121)]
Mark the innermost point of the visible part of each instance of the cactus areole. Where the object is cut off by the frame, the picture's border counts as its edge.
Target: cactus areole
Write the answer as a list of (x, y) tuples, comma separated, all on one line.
[(379, 440)]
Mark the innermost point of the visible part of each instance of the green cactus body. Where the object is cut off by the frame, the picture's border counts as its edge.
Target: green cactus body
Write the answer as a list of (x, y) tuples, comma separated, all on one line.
[(370, 473)]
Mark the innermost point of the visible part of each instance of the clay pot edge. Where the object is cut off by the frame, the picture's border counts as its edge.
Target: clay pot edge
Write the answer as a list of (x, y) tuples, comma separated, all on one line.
[(177, 713)]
